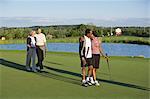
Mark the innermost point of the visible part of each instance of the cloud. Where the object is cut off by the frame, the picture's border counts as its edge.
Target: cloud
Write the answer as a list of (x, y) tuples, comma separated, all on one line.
[(32, 21)]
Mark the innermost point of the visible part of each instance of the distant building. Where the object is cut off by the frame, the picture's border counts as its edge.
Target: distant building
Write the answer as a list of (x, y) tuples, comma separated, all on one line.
[(111, 34), (3, 38), (118, 32)]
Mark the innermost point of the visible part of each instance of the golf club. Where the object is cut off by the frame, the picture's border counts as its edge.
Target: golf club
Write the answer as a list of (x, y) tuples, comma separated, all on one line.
[(108, 66)]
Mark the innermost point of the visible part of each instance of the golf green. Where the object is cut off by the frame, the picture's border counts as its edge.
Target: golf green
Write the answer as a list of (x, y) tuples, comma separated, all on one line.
[(61, 78)]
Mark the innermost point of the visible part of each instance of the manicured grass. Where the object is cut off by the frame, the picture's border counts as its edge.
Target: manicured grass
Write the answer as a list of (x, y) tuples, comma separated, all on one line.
[(61, 79), (127, 39), (13, 41), (112, 39)]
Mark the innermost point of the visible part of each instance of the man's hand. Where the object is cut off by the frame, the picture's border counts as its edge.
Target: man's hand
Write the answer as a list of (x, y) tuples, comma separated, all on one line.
[(106, 57), (81, 39), (83, 60), (46, 49), (28, 45)]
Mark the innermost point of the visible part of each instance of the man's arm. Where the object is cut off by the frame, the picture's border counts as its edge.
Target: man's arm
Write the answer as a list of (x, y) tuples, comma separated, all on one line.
[(45, 44), (101, 51), (82, 49), (81, 46), (28, 42)]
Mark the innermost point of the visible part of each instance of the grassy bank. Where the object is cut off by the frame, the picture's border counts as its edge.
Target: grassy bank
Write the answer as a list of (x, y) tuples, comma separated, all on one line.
[(61, 79), (113, 39), (127, 39)]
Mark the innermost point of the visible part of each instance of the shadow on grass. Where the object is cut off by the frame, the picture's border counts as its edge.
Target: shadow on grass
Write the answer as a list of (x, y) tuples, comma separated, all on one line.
[(59, 77), (53, 63), (12, 64), (7, 63), (103, 80), (67, 79)]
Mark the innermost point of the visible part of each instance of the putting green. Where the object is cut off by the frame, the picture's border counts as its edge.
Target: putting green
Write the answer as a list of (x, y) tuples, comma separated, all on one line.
[(61, 79)]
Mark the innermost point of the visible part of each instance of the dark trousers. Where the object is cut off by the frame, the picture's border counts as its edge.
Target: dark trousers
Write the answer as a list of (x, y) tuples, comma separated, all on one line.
[(40, 56)]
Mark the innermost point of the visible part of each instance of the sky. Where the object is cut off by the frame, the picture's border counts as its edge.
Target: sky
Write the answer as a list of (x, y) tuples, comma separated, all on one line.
[(75, 9)]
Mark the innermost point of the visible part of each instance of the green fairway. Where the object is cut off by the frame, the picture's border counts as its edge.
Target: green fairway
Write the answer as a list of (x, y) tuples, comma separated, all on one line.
[(62, 79)]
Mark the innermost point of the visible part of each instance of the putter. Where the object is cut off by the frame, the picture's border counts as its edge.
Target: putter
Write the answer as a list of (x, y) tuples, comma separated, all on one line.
[(108, 66)]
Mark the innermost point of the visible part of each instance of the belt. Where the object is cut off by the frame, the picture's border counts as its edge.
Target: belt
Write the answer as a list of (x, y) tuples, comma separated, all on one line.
[(40, 45)]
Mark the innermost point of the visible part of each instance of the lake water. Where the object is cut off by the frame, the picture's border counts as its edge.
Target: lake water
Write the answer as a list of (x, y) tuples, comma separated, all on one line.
[(113, 49)]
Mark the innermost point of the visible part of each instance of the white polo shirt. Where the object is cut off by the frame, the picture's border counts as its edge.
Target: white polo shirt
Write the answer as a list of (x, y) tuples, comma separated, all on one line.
[(88, 48), (32, 41), (41, 39)]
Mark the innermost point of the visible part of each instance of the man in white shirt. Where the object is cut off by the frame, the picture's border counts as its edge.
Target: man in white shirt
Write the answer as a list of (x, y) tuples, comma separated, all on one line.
[(85, 52), (41, 48)]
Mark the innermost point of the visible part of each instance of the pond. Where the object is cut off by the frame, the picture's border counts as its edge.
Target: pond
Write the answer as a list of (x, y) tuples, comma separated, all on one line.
[(113, 49)]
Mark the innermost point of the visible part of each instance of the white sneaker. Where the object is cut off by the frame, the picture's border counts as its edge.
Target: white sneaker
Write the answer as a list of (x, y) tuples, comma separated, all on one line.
[(34, 69), (38, 68), (84, 83), (88, 81), (28, 68), (87, 78), (96, 83), (92, 81)]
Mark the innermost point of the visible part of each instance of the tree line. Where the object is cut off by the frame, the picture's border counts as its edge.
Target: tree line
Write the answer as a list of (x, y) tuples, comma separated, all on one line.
[(63, 31)]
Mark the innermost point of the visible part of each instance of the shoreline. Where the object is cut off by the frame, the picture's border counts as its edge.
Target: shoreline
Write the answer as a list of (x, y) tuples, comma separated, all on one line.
[(113, 39), (75, 54)]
